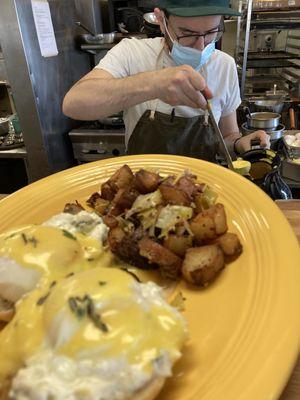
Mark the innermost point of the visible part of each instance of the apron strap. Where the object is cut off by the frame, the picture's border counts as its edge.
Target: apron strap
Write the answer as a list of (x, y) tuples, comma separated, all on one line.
[(159, 66)]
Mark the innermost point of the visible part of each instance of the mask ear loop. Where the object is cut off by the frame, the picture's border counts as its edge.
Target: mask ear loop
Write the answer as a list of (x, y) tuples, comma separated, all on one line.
[(167, 30)]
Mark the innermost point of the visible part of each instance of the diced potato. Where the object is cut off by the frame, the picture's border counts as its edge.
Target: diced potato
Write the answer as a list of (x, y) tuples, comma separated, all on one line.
[(110, 221), (108, 190), (123, 177), (173, 195), (123, 200), (230, 244), (169, 263), (209, 224), (146, 181), (92, 199), (187, 185), (202, 264), (178, 244), (73, 208)]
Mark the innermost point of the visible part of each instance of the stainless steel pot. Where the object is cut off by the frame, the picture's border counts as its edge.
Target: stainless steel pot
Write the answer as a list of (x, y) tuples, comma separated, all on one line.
[(273, 133), (263, 120), (274, 106)]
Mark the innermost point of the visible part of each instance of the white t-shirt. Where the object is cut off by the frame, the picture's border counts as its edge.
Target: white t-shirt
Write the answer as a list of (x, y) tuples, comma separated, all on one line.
[(133, 56)]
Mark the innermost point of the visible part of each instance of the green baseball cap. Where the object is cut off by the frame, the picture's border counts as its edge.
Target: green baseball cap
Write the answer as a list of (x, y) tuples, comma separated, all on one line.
[(197, 8)]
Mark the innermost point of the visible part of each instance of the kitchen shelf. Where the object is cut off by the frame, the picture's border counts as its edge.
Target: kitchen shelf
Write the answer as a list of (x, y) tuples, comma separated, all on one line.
[(253, 64), (260, 20), (20, 152), (270, 55), (275, 24)]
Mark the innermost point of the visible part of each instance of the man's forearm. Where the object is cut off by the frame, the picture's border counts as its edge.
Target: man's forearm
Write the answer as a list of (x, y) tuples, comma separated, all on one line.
[(230, 139), (95, 98)]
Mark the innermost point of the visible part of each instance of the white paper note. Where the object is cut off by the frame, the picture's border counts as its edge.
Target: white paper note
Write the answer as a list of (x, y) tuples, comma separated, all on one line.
[(44, 27)]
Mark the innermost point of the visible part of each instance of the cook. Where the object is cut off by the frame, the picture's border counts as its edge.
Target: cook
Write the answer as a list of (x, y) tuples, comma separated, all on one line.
[(162, 84)]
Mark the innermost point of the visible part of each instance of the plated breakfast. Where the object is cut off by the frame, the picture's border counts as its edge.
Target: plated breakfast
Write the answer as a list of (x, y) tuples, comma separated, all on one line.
[(96, 300), (66, 288)]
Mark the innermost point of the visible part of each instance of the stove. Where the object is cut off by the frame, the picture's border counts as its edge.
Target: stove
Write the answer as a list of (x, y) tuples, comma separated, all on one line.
[(97, 141)]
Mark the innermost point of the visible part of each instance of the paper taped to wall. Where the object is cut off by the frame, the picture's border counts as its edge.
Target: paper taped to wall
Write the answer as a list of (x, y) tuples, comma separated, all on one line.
[(44, 27)]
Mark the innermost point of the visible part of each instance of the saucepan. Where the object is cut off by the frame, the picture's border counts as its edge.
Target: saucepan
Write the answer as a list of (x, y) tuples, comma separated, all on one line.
[(263, 120)]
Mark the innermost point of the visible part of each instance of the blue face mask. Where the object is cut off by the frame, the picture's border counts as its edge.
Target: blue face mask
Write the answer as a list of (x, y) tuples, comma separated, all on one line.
[(190, 56), (193, 57)]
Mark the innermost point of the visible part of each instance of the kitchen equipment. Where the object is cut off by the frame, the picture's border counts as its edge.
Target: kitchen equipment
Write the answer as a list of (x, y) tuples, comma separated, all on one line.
[(151, 19), (91, 143), (100, 38), (292, 118), (130, 19), (276, 94), (263, 120), (78, 23), (4, 126), (265, 171), (151, 25), (276, 187), (223, 146), (274, 134), (290, 168), (260, 104)]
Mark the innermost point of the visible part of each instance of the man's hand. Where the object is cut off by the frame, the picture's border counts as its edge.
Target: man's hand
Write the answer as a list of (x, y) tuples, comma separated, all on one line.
[(244, 143), (181, 86)]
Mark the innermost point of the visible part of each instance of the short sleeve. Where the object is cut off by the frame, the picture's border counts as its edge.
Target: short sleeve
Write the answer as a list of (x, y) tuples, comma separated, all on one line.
[(233, 97), (116, 61)]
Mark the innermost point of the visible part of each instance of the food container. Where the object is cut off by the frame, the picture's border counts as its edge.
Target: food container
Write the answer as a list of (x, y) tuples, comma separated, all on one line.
[(292, 147), (290, 167), (263, 120)]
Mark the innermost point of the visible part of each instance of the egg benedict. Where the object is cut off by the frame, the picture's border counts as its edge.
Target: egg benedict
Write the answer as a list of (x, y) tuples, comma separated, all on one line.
[(98, 334), (41, 254)]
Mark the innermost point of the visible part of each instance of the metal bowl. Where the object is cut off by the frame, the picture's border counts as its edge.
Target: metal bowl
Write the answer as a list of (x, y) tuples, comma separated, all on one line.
[(274, 106), (100, 38), (151, 19)]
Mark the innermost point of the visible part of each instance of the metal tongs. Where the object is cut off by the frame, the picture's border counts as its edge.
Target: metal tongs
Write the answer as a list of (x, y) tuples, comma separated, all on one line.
[(224, 149)]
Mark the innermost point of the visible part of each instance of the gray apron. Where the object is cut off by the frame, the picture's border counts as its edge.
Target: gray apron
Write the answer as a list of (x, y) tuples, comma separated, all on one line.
[(159, 133)]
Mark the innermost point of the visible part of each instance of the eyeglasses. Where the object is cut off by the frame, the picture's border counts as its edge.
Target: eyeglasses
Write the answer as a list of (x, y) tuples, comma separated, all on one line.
[(208, 37)]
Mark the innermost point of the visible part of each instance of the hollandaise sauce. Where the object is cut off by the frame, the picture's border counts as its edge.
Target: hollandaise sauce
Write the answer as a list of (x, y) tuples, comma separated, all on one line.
[(83, 326)]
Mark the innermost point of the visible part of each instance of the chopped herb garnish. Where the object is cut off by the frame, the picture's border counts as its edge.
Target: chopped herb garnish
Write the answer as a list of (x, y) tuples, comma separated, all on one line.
[(90, 259), (42, 299), (102, 283), (85, 307), (52, 284), (27, 239), (11, 235), (33, 241), (132, 274), (178, 301), (24, 237), (70, 274), (68, 235)]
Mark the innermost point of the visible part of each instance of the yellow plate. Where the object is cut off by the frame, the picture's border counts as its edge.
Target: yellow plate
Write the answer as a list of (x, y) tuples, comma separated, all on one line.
[(245, 328)]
